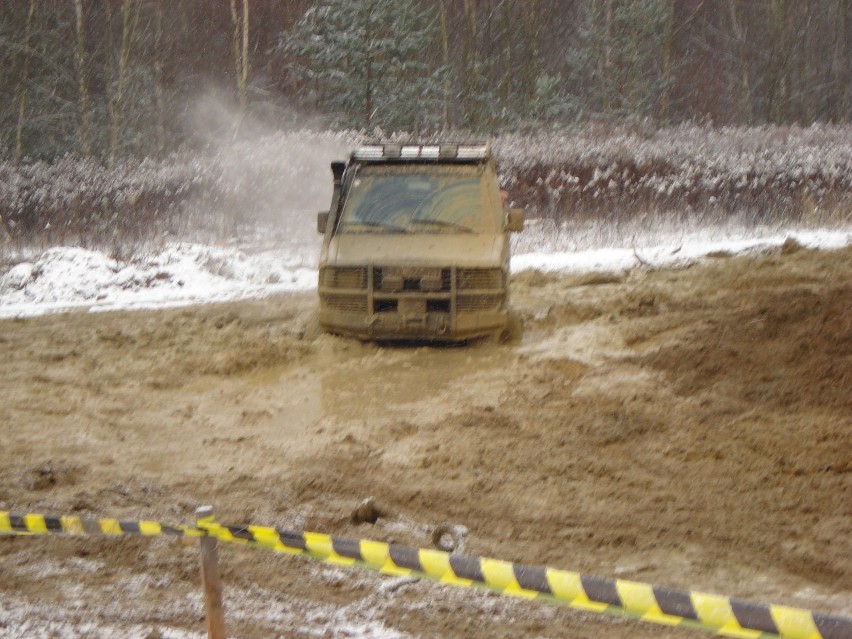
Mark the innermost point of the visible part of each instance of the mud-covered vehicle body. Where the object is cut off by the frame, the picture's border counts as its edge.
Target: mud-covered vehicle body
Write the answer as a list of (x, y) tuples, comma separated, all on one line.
[(416, 244)]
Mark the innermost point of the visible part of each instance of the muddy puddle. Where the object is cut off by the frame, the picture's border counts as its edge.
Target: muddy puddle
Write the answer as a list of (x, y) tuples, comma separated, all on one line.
[(348, 386)]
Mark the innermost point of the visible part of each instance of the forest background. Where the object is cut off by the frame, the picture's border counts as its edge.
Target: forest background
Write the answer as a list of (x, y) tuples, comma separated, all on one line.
[(738, 104)]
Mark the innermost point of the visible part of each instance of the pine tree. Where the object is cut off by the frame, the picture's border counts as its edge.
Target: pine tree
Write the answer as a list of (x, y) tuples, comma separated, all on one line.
[(367, 62), (617, 68)]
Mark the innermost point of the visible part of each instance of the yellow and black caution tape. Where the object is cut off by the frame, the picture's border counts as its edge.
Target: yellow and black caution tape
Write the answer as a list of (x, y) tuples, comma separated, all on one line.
[(68, 524), (723, 615)]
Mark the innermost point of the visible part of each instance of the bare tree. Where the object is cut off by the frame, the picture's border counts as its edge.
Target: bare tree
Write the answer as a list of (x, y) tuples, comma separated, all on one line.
[(470, 52), (839, 71), (745, 78), (241, 57), (159, 97), (445, 50), (530, 15), (116, 103), (779, 63), (665, 98), (82, 83), (22, 83), (606, 70)]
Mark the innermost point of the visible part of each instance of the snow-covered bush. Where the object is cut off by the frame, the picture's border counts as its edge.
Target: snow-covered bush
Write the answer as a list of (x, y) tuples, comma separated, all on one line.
[(272, 184), (791, 172)]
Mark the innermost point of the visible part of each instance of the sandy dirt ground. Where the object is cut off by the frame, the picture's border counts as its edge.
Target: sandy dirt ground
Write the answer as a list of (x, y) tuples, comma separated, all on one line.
[(690, 428)]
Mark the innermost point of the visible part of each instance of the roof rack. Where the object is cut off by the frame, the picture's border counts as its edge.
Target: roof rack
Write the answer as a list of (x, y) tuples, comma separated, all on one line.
[(445, 152)]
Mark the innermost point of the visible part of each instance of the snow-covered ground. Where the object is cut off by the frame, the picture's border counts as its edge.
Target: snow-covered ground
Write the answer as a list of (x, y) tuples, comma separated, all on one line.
[(672, 254), (63, 278)]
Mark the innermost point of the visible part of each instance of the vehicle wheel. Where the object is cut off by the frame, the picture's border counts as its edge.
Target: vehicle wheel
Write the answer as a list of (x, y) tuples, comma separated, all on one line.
[(514, 329), (312, 329)]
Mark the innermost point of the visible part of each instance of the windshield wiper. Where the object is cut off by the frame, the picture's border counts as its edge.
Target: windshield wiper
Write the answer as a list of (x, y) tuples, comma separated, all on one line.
[(442, 224), (373, 225)]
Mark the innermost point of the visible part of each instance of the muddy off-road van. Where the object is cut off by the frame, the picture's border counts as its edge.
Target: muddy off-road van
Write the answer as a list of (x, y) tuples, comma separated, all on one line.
[(416, 244)]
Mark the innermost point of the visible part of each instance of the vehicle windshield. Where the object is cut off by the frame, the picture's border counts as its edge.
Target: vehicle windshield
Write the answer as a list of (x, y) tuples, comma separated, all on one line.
[(417, 199)]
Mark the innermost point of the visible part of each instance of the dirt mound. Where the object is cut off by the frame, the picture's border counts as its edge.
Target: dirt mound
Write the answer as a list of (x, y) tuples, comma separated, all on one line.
[(683, 427), (782, 348)]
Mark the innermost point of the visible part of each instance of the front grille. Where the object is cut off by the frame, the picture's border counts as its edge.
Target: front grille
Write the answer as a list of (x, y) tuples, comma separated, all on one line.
[(446, 279), (377, 278), (411, 278), (344, 277), (345, 289), (473, 303), (479, 278), (437, 306), (348, 303), (385, 306)]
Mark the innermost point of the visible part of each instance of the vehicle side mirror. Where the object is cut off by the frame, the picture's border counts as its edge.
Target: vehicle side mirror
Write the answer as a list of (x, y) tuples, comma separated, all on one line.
[(322, 221), (337, 169), (515, 221)]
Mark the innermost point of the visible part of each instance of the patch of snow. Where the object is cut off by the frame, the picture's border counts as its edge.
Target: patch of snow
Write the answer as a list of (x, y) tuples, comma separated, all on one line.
[(23, 617), (670, 254), (64, 278)]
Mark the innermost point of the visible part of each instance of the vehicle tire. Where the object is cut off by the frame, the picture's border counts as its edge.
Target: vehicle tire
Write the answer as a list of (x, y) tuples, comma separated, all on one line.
[(514, 329), (312, 329)]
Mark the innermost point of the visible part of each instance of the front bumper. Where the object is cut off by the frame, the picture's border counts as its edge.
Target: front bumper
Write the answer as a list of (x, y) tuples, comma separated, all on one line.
[(412, 303), (431, 327)]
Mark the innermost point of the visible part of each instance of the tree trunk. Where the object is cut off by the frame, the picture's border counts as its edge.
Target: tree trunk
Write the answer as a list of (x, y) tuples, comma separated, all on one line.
[(606, 77), (159, 98), (128, 25), (745, 84), (781, 63), (471, 59), (445, 44), (834, 73), (807, 94), (531, 28), (665, 98), (245, 58), (22, 84), (534, 67), (844, 74), (368, 86), (241, 59), (82, 83), (506, 83)]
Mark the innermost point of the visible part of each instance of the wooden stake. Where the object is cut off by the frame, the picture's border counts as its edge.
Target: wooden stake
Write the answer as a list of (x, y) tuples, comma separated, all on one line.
[(210, 580)]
